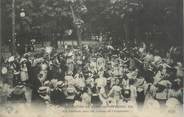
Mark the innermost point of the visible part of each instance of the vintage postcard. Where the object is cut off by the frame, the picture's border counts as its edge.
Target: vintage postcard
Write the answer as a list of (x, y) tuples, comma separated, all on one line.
[(91, 58)]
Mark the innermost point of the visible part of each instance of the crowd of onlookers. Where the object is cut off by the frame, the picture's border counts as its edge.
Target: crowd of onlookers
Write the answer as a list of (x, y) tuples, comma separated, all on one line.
[(94, 76)]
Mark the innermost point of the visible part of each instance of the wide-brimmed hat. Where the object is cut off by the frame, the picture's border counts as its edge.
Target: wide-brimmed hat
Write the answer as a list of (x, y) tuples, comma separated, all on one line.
[(69, 73), (54, 82), (139, 89), (60, 84), (46, 83), (165, 83), (70, 54), (18, 90), (4, 70), (125, 60), (110, 47), (39, 60), (23, 60), (165, 65), (179, 64), (44, 66), (27, 54), (115, 56), (71, 90), (11, 59), (43, 90)]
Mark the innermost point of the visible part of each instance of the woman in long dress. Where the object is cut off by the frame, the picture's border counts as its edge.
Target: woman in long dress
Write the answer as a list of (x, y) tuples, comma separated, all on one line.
[(103, 96), (133, 91), (115, 92), (23, 72), (86, 97), (79, 81)]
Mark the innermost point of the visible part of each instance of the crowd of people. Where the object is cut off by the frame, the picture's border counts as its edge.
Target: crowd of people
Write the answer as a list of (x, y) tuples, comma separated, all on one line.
[(94, 76)]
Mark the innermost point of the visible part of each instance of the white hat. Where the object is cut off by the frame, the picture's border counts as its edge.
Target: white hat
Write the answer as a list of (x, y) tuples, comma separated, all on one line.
[(54, 82), (4, 70), (43, 90), (166, 65), (110, 47), (60, 84), (27, 54), (48, 49), (71, 89), (44, 66), (11, 59), (179, 64), (165, 83), (157, 59), (70, 54), (46, 83), (22, 60)]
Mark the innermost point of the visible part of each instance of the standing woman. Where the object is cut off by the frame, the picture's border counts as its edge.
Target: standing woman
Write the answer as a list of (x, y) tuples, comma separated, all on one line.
[(140, 84), (103, 96), (16, 78), (79, 81), (86, 97), (24, 79), (43, 74), (23, 70), (115, 92), (133, 91)]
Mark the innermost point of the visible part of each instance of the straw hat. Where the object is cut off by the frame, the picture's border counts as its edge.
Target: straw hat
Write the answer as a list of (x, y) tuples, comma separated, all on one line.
[(4, 70), (43, 90), (11, 59), (19, 89), (22, 60), (47, 83), (60, 84), (165, 83)]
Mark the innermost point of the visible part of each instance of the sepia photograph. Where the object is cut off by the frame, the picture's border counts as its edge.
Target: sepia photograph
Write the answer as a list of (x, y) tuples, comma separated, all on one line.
[(93, 58)]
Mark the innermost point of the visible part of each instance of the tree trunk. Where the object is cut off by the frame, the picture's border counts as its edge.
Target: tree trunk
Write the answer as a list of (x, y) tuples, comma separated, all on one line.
[(13, 51), (79, 36), (126, 29)]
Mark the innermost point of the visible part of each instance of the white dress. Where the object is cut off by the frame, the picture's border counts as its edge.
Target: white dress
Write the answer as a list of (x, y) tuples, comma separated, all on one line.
[(133, 93), (100, 64), (115, 93), (86, 99), (93, 67), (24, 73), (103, 96), (80, 82), (101, 82)]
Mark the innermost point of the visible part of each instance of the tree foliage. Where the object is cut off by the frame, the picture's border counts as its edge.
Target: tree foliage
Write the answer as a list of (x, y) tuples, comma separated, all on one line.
[(122, 19)]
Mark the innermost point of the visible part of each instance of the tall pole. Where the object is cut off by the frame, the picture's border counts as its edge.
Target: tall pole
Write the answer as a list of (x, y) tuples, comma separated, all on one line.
[(13, 28), (77, 28)]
